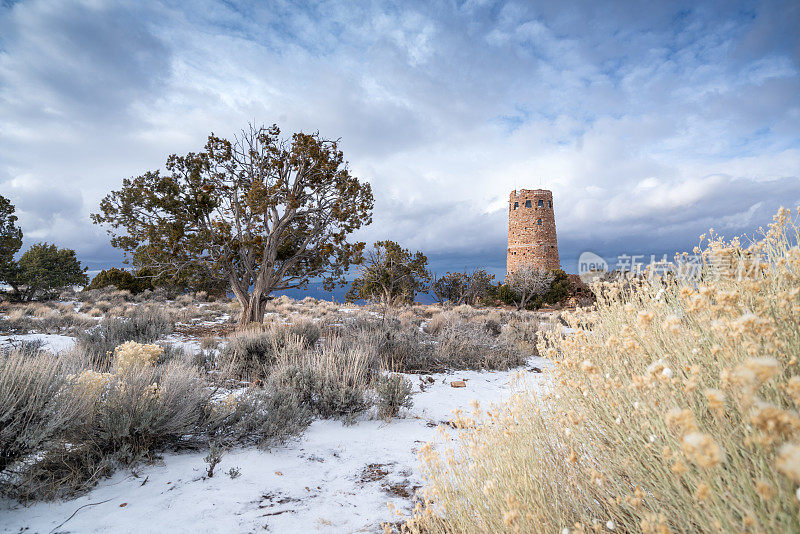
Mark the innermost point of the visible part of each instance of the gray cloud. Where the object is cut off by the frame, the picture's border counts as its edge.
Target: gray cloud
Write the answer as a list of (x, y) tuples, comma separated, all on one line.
[(649, 122)]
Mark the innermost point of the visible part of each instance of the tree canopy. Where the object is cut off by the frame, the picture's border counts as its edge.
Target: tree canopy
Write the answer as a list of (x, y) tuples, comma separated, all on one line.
[(260, 213), (44, 270), (391, 275)]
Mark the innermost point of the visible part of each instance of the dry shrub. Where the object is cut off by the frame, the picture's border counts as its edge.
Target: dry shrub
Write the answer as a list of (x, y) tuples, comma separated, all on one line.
[(264, 417), (43, 319), (35, 405), (45, 312), (471, 345), (408, 319), (125, 417), (672, 408), (305, 329), (523, 333), (435, 324), (146, 407), (184, 300), (250, 354), (144, 326), (393, 392), (332, 381), (390, 346), (459, 344)]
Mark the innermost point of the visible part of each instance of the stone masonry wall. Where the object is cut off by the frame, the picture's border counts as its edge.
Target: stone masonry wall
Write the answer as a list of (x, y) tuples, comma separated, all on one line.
[(531, 230)]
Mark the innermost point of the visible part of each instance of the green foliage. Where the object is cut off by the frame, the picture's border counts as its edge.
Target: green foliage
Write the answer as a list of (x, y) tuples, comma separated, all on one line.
[(560, 288), (121, 279), (506, 295), (190, 279), (44, 270), (394, 392), (10, 240), (391, 275), (460, 288), (259, 213)]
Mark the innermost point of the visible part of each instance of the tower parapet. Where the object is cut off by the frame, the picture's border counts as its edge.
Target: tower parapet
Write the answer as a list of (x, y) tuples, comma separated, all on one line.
[(531, 230)]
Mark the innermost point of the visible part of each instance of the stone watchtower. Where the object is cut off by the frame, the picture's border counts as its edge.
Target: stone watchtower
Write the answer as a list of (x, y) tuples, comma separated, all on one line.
[(531, 230)]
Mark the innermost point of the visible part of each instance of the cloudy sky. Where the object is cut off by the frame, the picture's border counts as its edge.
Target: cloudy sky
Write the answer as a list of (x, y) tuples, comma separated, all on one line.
[(650, 122)]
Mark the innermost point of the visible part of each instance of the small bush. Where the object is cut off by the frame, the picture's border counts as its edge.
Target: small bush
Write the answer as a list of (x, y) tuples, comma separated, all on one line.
[(144, 326), (248, 354), (394, 392), (146, 407), (522, 334), (267, 417), (306, 330), (332, 382), (390, 346), (436, 323), (467, 345)]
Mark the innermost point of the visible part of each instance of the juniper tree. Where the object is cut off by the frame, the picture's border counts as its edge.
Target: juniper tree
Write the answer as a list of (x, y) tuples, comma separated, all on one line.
[(260, 212), (459, 288), (390, 275), (44, 270), (10, 239)]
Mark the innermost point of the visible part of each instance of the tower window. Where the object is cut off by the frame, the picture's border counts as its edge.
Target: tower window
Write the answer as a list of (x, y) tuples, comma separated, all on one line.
[(551, 203), (539, 222), (527, 203), (541, 203), (516, 205)]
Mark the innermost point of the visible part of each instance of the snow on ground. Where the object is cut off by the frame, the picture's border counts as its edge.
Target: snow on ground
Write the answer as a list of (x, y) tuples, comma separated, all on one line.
[(52, 342), (335, 478)]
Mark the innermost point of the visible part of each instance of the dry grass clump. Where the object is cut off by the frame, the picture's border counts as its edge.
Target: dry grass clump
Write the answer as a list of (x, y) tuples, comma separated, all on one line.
[(672, 408), (523, 333), (436, 323), (475, 345)]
